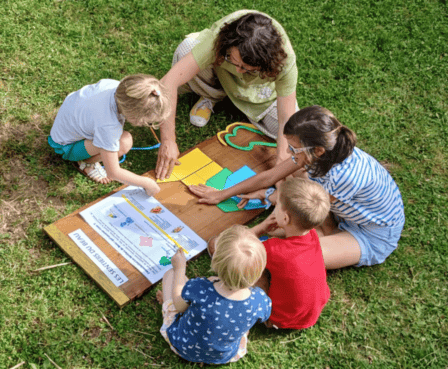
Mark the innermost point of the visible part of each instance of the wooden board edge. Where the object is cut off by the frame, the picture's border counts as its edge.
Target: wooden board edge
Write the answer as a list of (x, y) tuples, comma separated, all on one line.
[(89, 267)]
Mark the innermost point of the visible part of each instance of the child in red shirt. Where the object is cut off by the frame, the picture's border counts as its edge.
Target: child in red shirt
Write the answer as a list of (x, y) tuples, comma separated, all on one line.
[(295, 276)]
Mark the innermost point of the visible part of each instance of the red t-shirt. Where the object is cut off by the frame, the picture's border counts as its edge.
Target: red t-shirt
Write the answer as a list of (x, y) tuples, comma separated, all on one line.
[(299, 289)]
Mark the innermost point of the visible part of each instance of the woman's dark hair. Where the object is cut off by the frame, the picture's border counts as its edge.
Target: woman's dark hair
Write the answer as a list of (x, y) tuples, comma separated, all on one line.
[(316, 126), (259, 43)]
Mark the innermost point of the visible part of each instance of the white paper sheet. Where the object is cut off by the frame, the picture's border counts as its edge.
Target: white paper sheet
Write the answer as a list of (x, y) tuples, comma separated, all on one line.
[(142, 230)]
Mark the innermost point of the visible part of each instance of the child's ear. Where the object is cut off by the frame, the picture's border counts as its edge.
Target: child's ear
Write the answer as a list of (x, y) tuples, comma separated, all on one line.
[(319, 151), (286, 217)]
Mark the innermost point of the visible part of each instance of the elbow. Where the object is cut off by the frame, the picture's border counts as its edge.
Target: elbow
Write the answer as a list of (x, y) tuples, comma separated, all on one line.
[(180, 304)]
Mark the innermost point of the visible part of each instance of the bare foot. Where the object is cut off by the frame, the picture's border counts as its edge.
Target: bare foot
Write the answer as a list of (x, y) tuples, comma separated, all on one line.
[(159, 297)]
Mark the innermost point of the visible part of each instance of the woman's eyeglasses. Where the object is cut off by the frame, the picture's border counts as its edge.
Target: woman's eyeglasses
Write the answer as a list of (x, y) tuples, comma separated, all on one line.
[(252, 71)]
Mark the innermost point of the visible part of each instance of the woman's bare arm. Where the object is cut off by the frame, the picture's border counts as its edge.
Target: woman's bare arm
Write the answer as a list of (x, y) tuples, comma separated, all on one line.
[(181, 72)]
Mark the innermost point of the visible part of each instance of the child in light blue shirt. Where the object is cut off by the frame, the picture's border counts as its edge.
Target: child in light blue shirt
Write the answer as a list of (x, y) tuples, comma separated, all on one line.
[(89, 126)]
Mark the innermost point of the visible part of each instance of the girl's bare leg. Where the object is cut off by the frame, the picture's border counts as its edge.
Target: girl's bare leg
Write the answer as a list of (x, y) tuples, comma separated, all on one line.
[(125, 145), (340, 250), (167, 287)]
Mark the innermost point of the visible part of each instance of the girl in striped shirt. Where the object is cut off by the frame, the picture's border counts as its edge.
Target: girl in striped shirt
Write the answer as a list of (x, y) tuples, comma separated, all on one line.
[(367, 213)]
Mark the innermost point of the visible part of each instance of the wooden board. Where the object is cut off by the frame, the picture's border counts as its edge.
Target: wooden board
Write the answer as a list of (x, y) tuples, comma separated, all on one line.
[(206, 220)]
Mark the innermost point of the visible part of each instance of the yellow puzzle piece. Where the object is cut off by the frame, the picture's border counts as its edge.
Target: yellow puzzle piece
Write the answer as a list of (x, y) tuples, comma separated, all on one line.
[(195, 167)]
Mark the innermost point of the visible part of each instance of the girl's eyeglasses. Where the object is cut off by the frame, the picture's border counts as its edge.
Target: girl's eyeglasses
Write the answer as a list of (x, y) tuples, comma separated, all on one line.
[(252, 72), (299, 150)]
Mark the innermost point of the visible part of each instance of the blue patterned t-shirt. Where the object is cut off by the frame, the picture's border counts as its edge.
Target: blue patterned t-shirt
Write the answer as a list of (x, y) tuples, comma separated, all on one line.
[(211, 328)]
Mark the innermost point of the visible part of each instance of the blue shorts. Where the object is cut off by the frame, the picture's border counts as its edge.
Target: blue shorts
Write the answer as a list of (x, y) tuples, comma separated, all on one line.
[(376, 242), (75, 151)]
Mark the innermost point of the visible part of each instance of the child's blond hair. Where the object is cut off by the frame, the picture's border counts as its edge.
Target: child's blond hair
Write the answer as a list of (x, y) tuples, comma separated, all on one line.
[(239, 258), (144, 99), (306, 202)]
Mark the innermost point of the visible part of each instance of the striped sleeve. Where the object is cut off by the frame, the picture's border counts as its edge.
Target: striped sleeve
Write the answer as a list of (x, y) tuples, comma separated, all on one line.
[(365, 191)]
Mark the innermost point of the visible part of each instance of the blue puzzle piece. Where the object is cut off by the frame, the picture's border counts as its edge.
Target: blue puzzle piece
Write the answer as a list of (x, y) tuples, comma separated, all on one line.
[(239, 176)]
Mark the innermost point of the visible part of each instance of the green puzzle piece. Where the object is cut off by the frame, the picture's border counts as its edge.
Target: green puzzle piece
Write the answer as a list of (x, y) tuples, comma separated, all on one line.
[(218, 181), (228, 206)]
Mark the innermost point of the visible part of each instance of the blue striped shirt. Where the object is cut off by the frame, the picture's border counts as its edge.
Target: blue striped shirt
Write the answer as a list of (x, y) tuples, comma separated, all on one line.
[(364, 190)]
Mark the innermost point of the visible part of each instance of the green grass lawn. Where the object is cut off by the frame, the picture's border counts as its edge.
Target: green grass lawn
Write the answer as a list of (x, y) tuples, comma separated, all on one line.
[(380, 66)]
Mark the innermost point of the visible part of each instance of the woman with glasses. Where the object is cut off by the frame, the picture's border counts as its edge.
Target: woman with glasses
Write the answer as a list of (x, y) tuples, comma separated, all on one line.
[(246, 56)]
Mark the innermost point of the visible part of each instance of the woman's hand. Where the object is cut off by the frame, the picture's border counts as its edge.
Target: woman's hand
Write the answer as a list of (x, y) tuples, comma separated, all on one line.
[(258, 195), (208, 195), (167, 158)]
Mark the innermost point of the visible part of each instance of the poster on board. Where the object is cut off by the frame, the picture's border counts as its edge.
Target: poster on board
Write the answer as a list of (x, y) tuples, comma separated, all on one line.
[(143, 231)]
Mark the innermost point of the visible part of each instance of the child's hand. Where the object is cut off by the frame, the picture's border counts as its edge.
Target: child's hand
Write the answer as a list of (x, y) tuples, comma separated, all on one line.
[(269, 224), (266, 226), (178, 261), (208, 195), (152, 188), (259, 195)]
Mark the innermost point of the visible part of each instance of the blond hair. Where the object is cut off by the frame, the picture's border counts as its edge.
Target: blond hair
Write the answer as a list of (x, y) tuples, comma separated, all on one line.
[(239, 258), (144, 99), (306, 202)]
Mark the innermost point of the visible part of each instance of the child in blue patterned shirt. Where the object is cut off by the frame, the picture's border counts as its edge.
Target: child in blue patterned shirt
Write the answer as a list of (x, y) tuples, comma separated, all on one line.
[(208, 319)]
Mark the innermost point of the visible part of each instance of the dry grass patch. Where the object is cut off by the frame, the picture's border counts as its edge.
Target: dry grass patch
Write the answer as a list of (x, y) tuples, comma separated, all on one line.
[(25, 193)]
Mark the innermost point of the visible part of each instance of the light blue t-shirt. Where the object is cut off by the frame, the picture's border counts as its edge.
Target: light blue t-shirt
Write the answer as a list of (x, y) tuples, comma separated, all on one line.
[(210, 330), (90, 113), (365, 191)]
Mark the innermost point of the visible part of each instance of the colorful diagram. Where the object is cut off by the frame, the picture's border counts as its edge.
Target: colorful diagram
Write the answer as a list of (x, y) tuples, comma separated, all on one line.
[(127, 222), (157, 210), (197, 168), (145, 241), (164, 261)]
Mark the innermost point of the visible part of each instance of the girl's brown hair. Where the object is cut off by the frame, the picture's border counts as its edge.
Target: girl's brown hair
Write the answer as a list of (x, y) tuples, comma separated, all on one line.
[(257, 40), (316, 126)]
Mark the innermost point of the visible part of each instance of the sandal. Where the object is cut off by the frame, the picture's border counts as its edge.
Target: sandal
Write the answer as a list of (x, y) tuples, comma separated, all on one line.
[(97, 174)]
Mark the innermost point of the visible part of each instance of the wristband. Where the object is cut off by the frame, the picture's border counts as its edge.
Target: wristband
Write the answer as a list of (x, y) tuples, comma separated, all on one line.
[(268, 193)]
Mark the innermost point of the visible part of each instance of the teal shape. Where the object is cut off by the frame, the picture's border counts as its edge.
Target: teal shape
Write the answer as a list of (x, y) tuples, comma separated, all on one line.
[(164, 261)]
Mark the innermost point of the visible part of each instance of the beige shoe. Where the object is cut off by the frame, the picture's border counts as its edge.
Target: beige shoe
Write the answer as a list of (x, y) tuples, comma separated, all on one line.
[(201, 112), (96, 174)]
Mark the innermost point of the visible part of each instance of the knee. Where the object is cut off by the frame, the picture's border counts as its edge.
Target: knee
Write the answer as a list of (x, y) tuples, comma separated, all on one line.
[(125, 143)]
